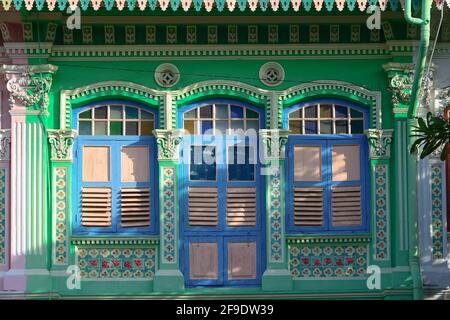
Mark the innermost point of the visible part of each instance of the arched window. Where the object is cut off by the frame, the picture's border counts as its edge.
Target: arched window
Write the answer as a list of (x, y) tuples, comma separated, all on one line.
[(327, 167), (115, 183)]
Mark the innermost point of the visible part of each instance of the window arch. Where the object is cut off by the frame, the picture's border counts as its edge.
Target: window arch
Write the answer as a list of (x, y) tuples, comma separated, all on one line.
[(115, 185), (327, 166), (326, 116)]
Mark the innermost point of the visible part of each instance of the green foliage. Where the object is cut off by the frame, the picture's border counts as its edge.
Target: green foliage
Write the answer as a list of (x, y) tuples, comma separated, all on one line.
[(431, 133)]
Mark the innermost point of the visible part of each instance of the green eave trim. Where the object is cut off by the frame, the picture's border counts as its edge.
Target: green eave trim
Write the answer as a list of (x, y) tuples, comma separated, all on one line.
[(108, 240), (319, 239)]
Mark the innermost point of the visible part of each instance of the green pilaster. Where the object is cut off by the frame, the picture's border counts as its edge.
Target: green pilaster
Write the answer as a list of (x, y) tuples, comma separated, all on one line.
[(168, 277)]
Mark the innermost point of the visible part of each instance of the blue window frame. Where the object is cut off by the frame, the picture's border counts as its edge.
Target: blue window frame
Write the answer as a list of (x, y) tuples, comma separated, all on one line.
[(116, 163), (327, 167)]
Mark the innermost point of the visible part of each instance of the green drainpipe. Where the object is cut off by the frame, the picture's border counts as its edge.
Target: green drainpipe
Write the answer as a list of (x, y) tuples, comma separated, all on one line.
[(424, 23)]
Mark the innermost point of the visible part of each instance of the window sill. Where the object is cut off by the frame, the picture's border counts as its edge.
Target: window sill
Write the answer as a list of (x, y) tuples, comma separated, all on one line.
[(116, 240), (345, 238)]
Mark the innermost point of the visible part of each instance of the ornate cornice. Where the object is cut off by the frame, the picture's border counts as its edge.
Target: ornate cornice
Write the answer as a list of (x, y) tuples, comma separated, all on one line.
[(29, 85), (379, 143), (5, 144), (61, 142), (274, 143), (401, 76), (168, 142)]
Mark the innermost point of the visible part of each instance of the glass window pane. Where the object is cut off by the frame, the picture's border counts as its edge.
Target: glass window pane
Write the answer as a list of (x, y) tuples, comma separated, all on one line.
[(340, 112), (357, 126), (326, 127), (100, 113), (310, 127), (295, 126), (207, 126), (116, 112), (192, 114), (250, 114), (86, 114), (221, 126), (253, 124), (237, 124), (345, 163), (311, 112), (236, 112), (96, 164), (146, 115), (295, 114), (356, 114), (326, 111), (146, 128), (131, 128), (131, 113), (206, 112), (241, 163), (85, 128), (307, 163), (116, 128), (135, 164), (100, 128), (341, 126), (202, 163), (221, 111), (190, 126)]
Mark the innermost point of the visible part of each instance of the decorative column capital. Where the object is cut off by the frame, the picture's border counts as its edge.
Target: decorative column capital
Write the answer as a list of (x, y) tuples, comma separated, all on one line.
[(379, 143), (401, 76), (5, 144), (274, 142), (168, 142), (29, 86), (61, 142)]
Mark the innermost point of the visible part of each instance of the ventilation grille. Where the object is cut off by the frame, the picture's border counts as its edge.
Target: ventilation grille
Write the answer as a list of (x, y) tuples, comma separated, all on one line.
[(308, 206), (203, 206), (134, 207), (96, 207), (241, 207), (346, 204)]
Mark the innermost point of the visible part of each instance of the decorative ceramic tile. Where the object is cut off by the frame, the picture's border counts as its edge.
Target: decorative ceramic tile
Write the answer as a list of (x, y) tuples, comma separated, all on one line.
[(191, 34), (381, 217), (27, 28), (87, 34), (275, 200), (355, 33), (171, 34), (212, 35), (387, 30), (294, 33), (130, 34), (3, 199), (67, 35), (437, 225), (169, 244), (150, 34), (60, 214), (253, 34), (272, 33), (51, 32), (334, 33), (328, 261), (232, 34), (314, 33), (117, 263), (109, 34)]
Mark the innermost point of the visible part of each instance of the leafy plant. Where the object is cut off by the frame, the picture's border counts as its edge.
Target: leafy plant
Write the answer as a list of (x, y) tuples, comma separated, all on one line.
[(432, 133)]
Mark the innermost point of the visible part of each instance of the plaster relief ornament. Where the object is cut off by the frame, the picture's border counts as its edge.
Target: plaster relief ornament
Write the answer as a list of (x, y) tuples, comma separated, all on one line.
[(61, 142), (400, 85), (5, 144), (29, 85), (379, 143)]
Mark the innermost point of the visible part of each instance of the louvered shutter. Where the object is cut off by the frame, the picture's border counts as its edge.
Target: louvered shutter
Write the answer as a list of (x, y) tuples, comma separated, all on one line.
[(96, 207), (346, 206), (241, 206), (134, 207), (203, 206), (308, 206)]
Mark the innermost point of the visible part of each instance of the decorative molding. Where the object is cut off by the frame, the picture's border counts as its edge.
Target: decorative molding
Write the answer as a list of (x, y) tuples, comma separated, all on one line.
[(168, 142), (322, 239), (333, 261), (274, 143), (5, 144), (29, 85), (116, 263), (401, 76), (113, 240), (167, 75), (61, 142), (379, 143), (271, 74)]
